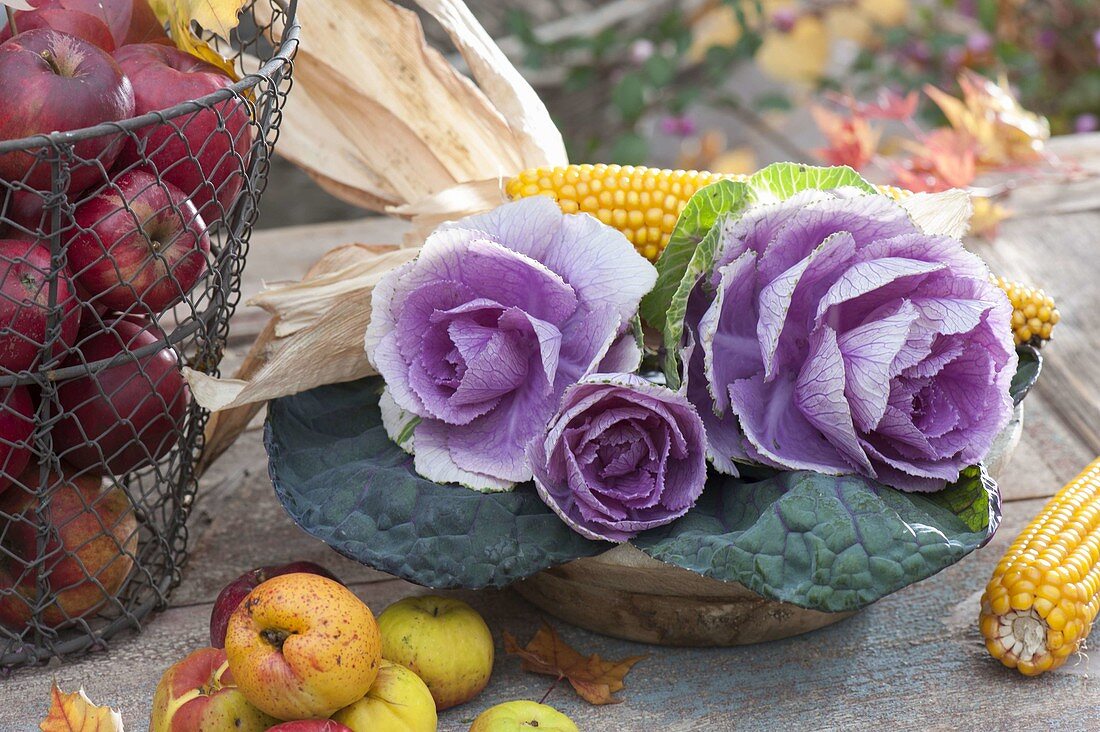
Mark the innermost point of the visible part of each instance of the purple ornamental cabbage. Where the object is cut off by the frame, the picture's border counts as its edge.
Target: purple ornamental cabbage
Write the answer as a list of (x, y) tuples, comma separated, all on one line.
[(481, 334), (833, 335), (621, 456)]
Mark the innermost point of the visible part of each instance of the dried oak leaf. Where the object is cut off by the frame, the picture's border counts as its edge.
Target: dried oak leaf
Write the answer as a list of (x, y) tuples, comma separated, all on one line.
[(593, 678), (218, 17), (75, 712)]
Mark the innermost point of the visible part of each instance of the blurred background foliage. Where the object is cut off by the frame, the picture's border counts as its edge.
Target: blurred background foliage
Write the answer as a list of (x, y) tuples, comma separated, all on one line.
[(720, 83)]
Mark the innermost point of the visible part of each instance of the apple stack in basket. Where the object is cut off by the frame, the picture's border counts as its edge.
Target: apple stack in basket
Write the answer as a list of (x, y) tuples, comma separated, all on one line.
[(105, 247)]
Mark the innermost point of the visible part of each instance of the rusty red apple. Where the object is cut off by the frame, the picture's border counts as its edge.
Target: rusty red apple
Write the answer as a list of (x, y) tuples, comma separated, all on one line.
[(232, 594), (16, 428), (55, 82), (88, 551), (198, 695), (55, 16), (127, 21)]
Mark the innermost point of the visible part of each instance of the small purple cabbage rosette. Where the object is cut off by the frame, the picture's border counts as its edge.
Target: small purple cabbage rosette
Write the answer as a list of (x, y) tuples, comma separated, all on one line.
[(828, 538), (621, 456)]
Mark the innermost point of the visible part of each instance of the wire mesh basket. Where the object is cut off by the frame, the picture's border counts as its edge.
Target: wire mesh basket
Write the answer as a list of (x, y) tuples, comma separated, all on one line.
[(121, 250)]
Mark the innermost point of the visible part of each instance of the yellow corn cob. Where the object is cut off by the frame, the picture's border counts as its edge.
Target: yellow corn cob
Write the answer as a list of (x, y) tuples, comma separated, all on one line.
[(641, 202), (1034, 314), (1045, 593)]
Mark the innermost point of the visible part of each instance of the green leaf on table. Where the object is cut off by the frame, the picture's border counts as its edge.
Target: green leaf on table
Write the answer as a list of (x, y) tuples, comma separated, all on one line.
[(780, 181), (1027, 372), (343, 481), (824, 542)]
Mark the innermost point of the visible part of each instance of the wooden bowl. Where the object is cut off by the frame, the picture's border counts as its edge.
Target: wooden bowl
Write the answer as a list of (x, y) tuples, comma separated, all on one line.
[(627, 594)]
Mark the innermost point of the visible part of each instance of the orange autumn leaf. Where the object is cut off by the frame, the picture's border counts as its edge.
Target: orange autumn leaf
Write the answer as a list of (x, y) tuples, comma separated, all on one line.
[(851, 139), (946, 158), (75, 712), (593, 678)]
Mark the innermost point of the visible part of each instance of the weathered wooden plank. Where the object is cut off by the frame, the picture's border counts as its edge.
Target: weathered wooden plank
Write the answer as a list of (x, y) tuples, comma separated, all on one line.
[(1054, 252), (237, 524), (1050, 243)]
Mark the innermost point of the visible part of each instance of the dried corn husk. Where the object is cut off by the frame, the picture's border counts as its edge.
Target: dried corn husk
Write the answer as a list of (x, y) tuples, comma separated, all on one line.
[(315, 337), (380, 119)]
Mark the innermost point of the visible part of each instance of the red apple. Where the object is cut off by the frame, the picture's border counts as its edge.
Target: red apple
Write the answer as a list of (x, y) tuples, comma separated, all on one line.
[(52, 81), (16, 428), (203, 153), (95, 318), (198, 695), (87, 554), (233, 593), (138, 242), (144, 26), (56, 17), (25, 305), (310, 725), (127, 21), (123, 417)]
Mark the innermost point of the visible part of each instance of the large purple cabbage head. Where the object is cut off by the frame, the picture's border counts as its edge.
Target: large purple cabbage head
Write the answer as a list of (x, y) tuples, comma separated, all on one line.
[(480, 335), (622, 455), (834, 335)]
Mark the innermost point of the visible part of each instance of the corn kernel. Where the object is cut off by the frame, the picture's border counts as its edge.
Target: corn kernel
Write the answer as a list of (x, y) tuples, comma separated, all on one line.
[(1034, 313)]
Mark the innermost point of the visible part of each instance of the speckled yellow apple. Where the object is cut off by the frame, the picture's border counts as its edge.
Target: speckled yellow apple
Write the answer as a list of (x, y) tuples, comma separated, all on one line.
[(398, 701), (301, 646), (443, 641), (522, 716)]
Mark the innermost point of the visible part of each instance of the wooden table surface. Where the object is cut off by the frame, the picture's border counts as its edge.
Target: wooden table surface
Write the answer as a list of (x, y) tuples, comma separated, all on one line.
[(914, 660)]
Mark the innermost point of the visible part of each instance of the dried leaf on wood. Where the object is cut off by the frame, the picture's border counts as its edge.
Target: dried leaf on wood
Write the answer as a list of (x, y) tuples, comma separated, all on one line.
[(218, 17), (945, 213), (593, 678), (75, 712), (456, 202)]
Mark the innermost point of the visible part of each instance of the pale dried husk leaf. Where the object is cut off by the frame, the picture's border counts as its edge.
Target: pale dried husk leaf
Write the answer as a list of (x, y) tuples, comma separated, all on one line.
[(381, 119), (315, 337)]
